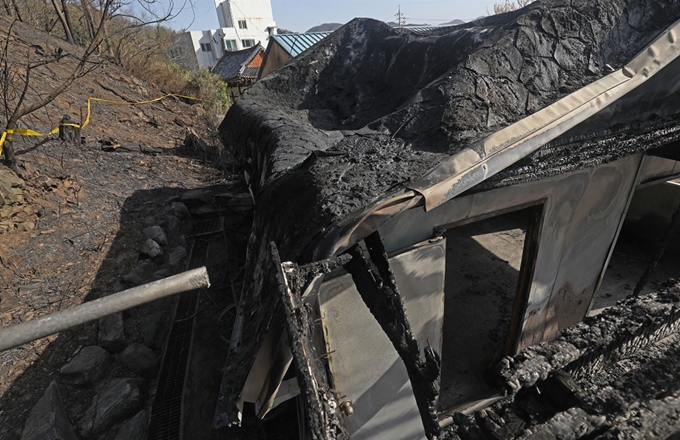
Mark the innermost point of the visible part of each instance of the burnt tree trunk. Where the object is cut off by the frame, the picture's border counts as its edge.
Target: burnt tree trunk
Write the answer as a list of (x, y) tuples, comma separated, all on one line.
[(64, 23), (323, 420), (378, 289)]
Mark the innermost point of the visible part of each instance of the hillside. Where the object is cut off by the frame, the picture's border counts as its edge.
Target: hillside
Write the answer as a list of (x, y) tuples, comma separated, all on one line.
[(71, 222), (326, 27)]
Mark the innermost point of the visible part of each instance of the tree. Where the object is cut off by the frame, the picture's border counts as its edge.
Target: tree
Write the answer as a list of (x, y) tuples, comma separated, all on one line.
[(509, 5), (108, 22)]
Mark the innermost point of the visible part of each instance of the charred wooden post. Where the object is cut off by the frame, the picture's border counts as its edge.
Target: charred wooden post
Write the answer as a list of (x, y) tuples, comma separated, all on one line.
[(378, 289), (69, 131), (322, 409), (261, 272)]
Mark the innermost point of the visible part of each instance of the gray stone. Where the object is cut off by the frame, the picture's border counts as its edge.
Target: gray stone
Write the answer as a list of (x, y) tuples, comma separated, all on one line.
[(177, 256), (157, 234), (181, 210), (140, 359), (112, 333), (151, 249), (198, 195), (90, 365), (172, 223), (142, 272), (135, 428), (29, 289), (48, 419), (162, 273), (150, 329), (120, 399), (241, 203)]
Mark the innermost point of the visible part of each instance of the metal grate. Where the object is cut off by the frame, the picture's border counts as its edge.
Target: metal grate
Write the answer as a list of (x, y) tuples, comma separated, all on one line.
[(166, 413), (208, 227)]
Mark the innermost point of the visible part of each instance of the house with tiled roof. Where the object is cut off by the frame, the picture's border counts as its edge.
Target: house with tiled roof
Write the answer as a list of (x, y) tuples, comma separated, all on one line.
[(284, 47), (240, 68)]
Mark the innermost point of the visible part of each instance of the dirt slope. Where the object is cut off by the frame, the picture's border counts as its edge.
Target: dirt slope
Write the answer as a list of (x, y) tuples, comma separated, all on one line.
[(74, 223)]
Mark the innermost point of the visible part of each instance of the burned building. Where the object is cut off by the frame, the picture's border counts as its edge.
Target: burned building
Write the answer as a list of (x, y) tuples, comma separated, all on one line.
[(429, 206)]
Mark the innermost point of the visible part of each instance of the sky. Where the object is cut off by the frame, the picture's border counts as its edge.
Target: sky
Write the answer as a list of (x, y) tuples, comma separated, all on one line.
[(300, 15)]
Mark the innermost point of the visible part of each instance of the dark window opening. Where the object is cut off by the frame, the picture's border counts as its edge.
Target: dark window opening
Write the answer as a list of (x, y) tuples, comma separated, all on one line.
[(489, 267), (248, 43), (242, 24), (644, 226), (205, 47)]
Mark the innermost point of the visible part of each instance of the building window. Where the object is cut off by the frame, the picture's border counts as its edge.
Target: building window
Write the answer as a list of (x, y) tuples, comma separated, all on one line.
[(205, 47), (230, 45), (242, 24), (248, 43)]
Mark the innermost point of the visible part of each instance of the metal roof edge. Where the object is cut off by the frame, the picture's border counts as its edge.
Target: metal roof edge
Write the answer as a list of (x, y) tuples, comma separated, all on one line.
[(505, 147), (516, 141)]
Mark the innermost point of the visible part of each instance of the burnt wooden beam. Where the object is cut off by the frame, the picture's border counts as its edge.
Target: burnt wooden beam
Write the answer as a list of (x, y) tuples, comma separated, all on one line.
[(249, 332), (378, 289), (322, 409)]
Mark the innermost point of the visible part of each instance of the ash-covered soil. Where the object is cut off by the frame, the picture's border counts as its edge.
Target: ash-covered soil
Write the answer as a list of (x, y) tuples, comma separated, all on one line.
[(77, 225)]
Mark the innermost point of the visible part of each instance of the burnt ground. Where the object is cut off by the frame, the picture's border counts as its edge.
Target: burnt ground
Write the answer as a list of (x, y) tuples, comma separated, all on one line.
[(79, 226)]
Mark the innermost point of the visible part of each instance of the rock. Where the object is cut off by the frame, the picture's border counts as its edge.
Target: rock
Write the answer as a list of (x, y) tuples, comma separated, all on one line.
[(172, 223), (160, 274), (29, 289), (151, 249), (150, 327), (90, 365), (48, 419), (27, 226), (177, 256), (120, 399), (157, 234), (141, 273), (241, 203), (135, 428), (140, 359), (11, 192), (181, 210), (112, 333), (197, 196)]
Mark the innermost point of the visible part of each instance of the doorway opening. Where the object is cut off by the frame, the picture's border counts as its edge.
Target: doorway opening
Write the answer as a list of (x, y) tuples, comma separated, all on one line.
[(489, 267), (647, 219)]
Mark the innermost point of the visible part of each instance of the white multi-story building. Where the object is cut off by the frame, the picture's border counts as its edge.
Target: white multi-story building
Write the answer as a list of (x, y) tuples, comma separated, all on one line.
[(243, 23)]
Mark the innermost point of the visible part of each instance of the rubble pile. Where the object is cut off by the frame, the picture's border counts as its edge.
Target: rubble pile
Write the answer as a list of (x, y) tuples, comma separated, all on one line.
[(590, 346), (366, 116), (612, 376)]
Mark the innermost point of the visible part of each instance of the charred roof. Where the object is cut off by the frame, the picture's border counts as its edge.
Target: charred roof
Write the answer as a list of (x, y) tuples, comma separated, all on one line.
[(372, 109)]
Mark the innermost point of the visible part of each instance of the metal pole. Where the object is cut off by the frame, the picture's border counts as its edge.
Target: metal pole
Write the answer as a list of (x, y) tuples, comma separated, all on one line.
[(39, 328)]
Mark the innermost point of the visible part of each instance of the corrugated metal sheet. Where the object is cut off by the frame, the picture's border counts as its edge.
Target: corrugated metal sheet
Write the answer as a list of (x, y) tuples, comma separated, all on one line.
[(295, 44), (423, 29)]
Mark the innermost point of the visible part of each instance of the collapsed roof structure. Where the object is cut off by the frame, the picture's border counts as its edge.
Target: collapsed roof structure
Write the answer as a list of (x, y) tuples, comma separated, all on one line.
[(240, 68), (375, 149)]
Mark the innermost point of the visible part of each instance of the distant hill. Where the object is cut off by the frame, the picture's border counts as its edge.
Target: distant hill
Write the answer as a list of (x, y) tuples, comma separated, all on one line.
[(326, 27), (454, 22), (395, 24)]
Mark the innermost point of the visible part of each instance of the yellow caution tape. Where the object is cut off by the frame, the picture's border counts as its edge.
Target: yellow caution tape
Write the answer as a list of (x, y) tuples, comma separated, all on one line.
[(29, 132)]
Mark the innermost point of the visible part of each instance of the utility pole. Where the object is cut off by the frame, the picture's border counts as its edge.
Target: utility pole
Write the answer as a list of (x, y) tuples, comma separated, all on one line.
[(401, 19)]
